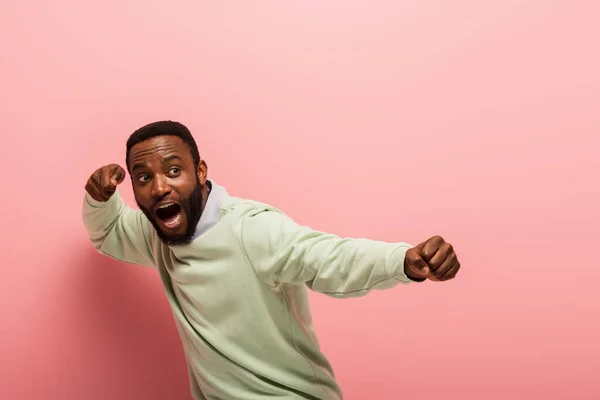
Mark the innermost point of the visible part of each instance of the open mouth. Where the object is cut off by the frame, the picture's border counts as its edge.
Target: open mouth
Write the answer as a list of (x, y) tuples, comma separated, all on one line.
[(169, 214)]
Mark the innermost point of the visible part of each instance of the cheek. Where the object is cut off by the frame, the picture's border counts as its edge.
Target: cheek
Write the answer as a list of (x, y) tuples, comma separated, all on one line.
[(141, 197), (185, 194), (184, 187)]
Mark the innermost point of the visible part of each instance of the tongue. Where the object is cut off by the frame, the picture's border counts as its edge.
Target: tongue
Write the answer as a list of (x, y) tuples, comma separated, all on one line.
[(170, 221)]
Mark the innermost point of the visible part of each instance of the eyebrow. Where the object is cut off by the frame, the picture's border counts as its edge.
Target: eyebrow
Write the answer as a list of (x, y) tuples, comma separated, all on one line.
[(138, 166), (167, 159), (171, 158)]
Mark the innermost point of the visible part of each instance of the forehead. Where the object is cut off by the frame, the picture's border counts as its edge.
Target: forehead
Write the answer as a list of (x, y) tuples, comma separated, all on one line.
[(159, 147)]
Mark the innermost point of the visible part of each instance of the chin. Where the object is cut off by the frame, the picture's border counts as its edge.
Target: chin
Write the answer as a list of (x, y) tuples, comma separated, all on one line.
[(178, 237), (175, 239)]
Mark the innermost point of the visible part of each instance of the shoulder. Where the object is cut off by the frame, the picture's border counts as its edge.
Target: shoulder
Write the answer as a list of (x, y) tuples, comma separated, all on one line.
[(247, 208), (255, 219)]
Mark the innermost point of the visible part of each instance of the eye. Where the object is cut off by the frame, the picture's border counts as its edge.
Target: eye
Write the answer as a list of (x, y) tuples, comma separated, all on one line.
[(143, 178), (175, 170)]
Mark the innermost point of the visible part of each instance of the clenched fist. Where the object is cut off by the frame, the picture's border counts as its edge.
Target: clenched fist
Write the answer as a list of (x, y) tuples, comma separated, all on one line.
[(103, 182), (433, 259)]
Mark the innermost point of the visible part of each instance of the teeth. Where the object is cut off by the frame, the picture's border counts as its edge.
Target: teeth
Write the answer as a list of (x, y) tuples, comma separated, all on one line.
[(166, 205)]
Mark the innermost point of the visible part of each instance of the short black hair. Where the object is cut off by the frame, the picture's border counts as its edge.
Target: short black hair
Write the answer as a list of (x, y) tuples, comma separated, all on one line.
[(163, 128)]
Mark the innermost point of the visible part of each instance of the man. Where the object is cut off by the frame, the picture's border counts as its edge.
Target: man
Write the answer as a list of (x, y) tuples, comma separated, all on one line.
[(236, 271)]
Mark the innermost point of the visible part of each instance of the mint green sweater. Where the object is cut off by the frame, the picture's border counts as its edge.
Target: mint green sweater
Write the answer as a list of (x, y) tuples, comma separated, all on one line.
[(239, 295)]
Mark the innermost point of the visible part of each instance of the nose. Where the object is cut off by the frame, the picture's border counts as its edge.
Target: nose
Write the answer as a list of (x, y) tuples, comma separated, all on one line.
[(160, 187)]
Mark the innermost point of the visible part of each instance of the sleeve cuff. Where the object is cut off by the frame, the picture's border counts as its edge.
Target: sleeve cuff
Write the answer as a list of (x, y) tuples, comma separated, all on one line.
[(101, 204), (396, 263)]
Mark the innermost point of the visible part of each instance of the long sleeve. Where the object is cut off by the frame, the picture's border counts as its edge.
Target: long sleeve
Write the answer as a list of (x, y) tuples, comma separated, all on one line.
[(282, 251), (119, 231)]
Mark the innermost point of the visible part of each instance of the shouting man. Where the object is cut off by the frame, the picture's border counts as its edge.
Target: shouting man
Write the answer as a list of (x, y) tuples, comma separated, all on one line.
[(236, 271)]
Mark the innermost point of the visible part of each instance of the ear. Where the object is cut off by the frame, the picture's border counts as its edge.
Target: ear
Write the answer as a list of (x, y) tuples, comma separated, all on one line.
[(202, 172)]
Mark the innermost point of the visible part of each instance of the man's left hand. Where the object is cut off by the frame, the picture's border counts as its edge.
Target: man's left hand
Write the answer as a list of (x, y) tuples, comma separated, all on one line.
[(433, 259)]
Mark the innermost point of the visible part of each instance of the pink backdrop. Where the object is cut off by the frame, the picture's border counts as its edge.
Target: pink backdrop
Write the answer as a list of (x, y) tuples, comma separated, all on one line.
[(395, 120)]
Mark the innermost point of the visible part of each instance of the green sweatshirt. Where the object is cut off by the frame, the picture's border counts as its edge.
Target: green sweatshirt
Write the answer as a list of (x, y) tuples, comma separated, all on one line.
[(239, 294)]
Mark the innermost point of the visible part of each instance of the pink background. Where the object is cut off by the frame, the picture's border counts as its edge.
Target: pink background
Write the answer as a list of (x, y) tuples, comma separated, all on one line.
[(394, 120)]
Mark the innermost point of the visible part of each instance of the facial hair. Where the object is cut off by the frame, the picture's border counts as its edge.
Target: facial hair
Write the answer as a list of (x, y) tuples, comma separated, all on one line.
[(192, 209)]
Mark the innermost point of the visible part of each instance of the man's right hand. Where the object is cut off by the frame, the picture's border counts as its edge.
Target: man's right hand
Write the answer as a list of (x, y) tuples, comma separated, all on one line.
[(433, 259), (103, 182)]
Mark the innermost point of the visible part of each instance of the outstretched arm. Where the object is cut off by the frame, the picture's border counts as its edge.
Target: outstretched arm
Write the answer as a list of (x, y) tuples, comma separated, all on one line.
[(115, 229), (282, 251)]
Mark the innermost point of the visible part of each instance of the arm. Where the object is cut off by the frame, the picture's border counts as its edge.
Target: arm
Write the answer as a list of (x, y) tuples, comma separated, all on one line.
[(281, 251), (118, 231)]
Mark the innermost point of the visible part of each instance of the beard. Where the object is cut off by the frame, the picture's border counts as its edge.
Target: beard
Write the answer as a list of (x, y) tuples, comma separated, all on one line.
[(191, 207)]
